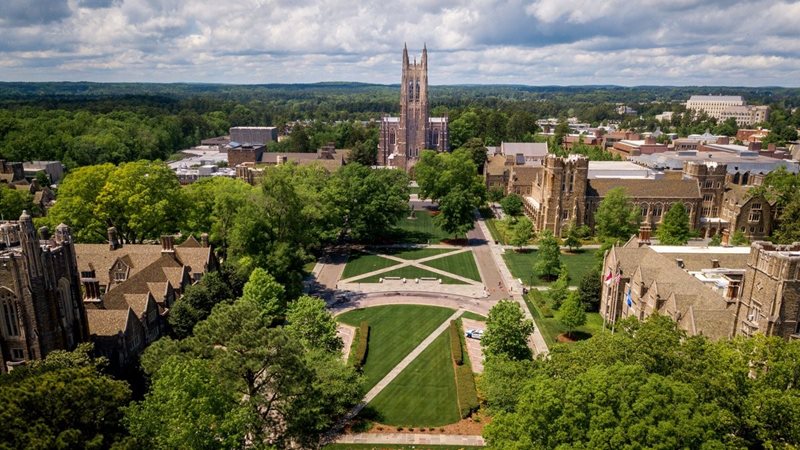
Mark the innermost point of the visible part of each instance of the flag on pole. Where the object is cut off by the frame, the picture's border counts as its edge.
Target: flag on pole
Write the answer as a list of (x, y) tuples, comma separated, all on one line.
[(608, 279), (628, 298)]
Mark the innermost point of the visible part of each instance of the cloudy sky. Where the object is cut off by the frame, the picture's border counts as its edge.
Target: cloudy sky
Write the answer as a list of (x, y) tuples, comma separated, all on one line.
[(537, 42)]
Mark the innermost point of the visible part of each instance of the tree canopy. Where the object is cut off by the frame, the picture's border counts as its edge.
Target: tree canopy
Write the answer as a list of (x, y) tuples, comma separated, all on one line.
[(548, 261), (674, 229), (507, 332), (616, 217)]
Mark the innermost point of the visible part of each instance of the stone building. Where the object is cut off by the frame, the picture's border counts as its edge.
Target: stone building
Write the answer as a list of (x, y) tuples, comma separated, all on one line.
[(401, 139), (40, 298), (129, 290), (244, 153)]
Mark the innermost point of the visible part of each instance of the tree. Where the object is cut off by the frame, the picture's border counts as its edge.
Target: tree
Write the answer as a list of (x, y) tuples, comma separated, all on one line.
[(63, 401), (560, 289), (77, 196), (213, 204), (477, 150), (13, 202), (715, 241), (310, 322), (439, 173), (291, 396), (196, 303), (456, 212), (617, 217), (739, 239), (589, 289), (573, 239), (572, 313), (674, 229), (365, 153), (142, 200), (495, 194), (463, 128), (548, 261), (264, 291), (789, 222), (512, 205), (522, 232), (507, 332), (364, 203)]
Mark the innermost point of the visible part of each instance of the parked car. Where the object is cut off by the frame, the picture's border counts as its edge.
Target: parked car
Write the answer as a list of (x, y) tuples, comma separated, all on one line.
[(474, 334)]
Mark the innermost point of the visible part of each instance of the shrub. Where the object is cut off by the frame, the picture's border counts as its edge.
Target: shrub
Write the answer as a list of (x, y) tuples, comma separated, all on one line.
[(465, 382), (360, 353), (455, 344)]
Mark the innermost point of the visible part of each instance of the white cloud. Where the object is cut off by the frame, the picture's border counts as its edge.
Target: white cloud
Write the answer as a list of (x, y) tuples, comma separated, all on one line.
[(749, 42)]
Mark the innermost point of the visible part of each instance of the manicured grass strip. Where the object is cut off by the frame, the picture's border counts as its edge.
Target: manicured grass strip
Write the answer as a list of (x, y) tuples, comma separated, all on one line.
[(361, 263), (460, 264), (419, 253), (551, 326), (421, 230), (456, 352), (398, 447), (424, 394), (497, 230), (409, 273), (521, 265), (351, 357), (394, 331), (309, 266), (473, 316), (363, 345), (466, 392)]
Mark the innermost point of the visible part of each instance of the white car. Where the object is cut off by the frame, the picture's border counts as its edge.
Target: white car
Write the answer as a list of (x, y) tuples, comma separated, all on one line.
[(474, 334)]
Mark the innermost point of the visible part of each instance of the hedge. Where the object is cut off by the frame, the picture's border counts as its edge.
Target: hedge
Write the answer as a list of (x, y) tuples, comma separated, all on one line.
[(362, 343), (466, 392), (455, 344)]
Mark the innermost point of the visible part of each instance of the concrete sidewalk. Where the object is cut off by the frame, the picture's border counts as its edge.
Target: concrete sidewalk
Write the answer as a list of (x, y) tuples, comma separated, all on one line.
[(412, 439)]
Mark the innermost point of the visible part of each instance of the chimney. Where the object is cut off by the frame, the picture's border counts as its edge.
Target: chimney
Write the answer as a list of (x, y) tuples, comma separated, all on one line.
[(113, 240), (754, 146), (204, 240), (649, 140), (91, 287), (167, 244), (644, 233), (726, 235), (723, 140), (715, 263)]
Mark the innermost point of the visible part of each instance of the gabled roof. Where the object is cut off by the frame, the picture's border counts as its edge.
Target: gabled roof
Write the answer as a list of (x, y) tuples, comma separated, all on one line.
[(108, 322), (664, 188)]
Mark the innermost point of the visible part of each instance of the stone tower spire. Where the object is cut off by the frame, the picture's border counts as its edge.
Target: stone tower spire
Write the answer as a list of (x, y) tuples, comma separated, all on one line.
[(405, 56)]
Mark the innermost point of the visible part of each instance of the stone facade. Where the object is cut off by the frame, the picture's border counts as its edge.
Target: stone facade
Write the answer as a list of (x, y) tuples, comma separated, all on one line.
[(40, 297), (401, 139)]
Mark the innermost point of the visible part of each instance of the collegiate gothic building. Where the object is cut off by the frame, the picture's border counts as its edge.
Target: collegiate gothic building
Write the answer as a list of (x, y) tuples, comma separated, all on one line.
[(403, 138)]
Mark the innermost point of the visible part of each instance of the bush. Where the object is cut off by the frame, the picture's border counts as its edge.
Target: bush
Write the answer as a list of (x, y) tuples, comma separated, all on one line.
[(362, 343), (466, 392), (455, 344)]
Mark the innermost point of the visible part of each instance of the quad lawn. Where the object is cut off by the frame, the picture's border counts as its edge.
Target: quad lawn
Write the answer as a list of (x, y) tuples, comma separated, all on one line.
[(424, 394), (361, 263), (521, 265), (417, 253), (473, 316), (394, 331), (420, 230), (497, 230), (408, 272), (460, 264), (551, 328)]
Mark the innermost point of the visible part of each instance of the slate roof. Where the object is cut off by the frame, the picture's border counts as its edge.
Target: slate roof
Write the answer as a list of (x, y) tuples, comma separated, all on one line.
[(525, 175), (664, 188), (135, 256), (107, 322)]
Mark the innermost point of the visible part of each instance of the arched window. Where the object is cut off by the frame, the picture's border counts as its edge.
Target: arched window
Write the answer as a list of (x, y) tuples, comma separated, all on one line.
[(391, 137), (435, 139), (416, 92), (8, 313), (745, 178), (411, 91)]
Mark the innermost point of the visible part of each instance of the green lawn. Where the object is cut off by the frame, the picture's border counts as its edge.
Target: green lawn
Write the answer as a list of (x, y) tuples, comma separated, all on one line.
[(408, 272), (497, 230), (397, 447), (473, 316), (394, 331), (421, 230), (309, 266), (424, 394), (521, 265), (361, 263), (417, 253), (551, 327), (460, 264)]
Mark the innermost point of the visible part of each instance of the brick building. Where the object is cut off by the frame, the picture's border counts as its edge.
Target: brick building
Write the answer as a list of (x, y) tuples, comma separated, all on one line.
[(40, 299)]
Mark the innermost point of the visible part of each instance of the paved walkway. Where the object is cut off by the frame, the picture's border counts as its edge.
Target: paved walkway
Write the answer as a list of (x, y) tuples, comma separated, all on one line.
[(536, 341), (418, 263), (481, 306), (412, 439), (403, 364)]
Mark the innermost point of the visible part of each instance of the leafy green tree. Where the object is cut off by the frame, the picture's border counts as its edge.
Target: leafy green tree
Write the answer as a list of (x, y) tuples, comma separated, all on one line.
[(740, 239), (589, 289), (310, 322), (573, 239), (548, 261), (142, 199), (457, 212), (572, 313), (507, 332), (521, 126), (512, 205), (213, 204), (463, 128), (195, 409), (729, 127), (522, 232), (365, 153), (502, 381), (674, 229), (13, 202), (440, 173), (477, 150), (495, 194), (715, 241), (76, 203), (63, 401), (364, 203), (196, 303), (617, 217), (264, 291), (560, 289)]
